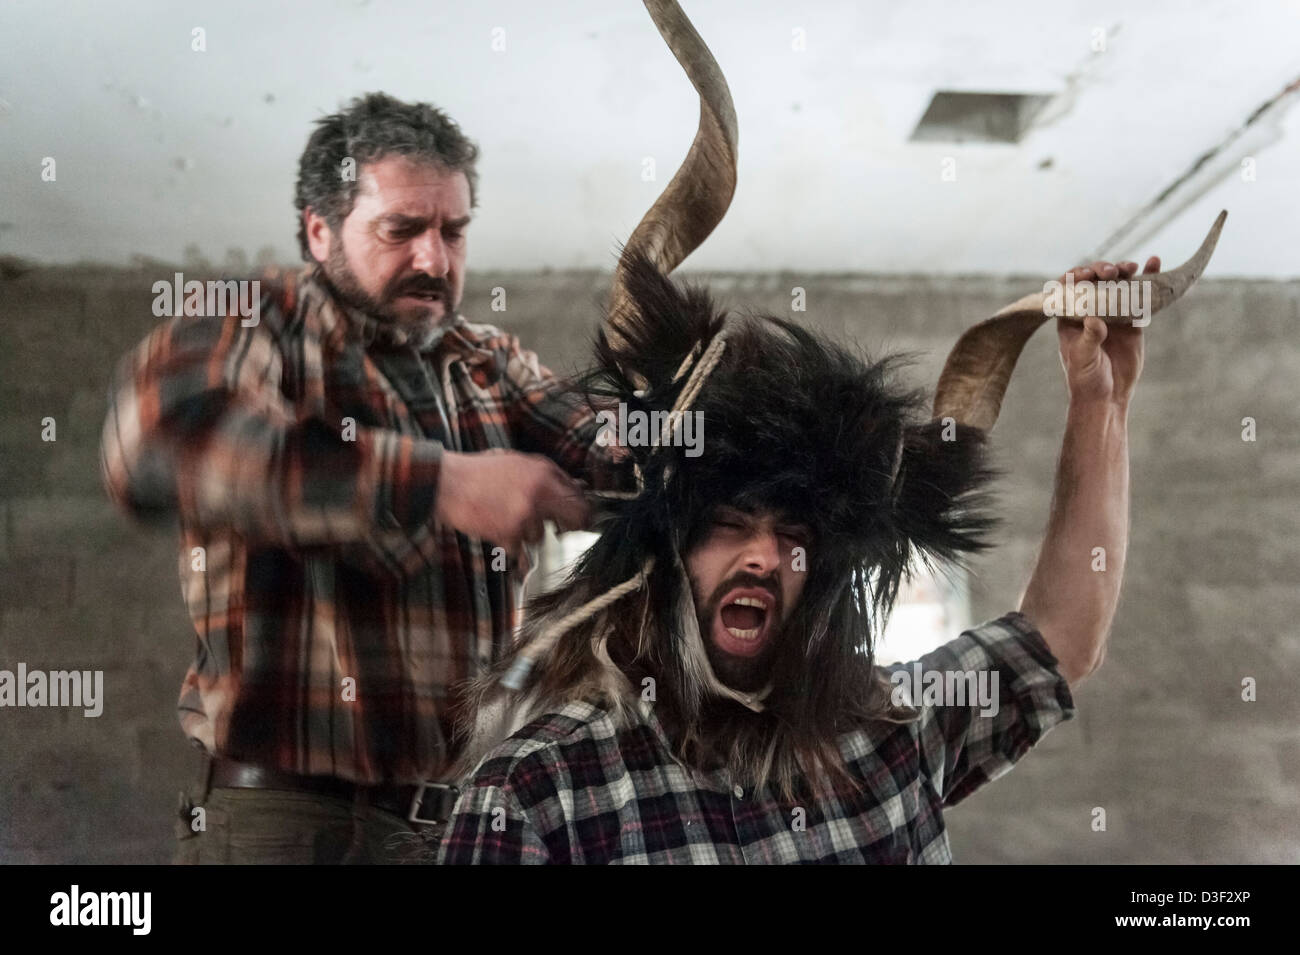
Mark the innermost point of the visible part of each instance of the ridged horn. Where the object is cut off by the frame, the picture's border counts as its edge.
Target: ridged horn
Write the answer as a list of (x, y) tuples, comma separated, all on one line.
[(978, 369), (697, 198)]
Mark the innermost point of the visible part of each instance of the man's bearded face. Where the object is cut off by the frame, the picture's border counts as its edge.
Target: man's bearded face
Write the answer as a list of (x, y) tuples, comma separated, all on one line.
[(400, 254), (745, 587)]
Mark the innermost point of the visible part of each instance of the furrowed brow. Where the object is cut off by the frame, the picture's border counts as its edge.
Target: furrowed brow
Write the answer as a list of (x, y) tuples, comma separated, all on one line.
[(401, 221), (786, 521)]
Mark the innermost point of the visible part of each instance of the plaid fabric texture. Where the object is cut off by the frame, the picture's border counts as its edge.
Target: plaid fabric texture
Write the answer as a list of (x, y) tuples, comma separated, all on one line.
[(301, 455), (572, 788)]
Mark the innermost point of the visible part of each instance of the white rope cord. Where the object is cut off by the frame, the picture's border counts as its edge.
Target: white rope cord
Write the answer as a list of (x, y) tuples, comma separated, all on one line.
[(712, 355), (543, 643), (693, 385), (686, 362)]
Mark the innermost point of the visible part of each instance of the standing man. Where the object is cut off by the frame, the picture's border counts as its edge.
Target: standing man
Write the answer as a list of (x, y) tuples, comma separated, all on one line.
[(355, 474)]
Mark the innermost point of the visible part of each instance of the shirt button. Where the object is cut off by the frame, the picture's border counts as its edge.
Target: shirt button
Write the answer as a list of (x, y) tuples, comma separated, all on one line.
[(482, 590), (739, 792)]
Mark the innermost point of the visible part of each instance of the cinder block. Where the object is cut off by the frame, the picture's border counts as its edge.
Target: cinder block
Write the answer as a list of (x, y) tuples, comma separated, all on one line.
[(43, 582), (142, 571), (74, 637), (63, 524)]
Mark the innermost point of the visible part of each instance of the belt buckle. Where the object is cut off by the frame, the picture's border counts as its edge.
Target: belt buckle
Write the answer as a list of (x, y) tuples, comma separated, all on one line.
[(447, 795)]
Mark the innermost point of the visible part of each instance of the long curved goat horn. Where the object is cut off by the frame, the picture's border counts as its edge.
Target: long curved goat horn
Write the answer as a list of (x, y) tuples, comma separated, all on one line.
[(698, 196), (975, 377)]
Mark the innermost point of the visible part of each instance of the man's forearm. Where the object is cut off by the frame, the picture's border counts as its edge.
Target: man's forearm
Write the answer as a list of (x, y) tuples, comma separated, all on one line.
[(1075, 586)]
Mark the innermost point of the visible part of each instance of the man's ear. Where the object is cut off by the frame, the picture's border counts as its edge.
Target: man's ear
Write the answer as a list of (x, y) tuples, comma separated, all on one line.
[(319, 235)]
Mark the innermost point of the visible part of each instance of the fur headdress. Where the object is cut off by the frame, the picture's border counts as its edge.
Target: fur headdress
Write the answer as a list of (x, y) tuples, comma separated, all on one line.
[(787, 421)]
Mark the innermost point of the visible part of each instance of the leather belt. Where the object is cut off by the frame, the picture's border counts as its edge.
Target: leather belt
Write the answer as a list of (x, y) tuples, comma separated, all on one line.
[(427, 803)]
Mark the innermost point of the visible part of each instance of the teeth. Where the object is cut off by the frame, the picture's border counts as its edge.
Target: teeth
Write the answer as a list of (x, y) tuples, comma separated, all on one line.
[(743, 634), (750, 602)]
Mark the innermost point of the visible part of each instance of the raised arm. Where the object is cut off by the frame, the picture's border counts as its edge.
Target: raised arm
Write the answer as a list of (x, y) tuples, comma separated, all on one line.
[(1074, 590)]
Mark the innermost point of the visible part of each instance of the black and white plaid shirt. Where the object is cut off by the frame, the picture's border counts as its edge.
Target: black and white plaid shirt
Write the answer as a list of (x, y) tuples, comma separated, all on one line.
[(572, 788)]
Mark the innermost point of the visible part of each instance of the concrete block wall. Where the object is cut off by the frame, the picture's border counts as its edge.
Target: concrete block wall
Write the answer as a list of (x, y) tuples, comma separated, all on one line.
[(1185, 770)]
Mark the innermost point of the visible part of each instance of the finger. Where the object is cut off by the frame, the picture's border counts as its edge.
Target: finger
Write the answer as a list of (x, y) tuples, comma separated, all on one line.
[(533, 530), (563, 500), (1068, 329), (519, 554), (1104, 270), (1094, 333), (1127, 269), (570, 511), (1153, 265)]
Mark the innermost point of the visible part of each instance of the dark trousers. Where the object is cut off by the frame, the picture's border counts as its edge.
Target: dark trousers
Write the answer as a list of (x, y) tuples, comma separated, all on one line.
[(279, 827)]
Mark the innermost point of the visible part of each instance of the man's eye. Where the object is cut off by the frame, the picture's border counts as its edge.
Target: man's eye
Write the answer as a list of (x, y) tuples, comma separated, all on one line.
[(453, 236)]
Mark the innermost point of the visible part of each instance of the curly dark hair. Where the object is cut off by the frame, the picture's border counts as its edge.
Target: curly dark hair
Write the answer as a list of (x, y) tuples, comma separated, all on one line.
[(371, 127)]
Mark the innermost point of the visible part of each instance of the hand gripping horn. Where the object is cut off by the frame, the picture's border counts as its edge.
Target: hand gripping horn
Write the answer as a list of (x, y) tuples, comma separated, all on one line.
[(978, 369)]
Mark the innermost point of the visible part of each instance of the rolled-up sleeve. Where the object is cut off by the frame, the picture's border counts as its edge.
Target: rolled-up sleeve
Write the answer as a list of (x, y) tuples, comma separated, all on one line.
[(966, 746)]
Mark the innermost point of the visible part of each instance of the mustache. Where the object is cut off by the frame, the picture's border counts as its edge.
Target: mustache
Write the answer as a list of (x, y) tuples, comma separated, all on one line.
[(746, 579), (423, 285)]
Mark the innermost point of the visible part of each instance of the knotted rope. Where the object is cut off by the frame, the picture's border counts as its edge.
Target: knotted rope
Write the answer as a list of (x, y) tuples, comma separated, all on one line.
[(542, 644)]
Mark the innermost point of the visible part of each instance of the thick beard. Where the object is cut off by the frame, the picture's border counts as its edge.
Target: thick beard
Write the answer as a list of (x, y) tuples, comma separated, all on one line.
[(747, 674), (348, 288)]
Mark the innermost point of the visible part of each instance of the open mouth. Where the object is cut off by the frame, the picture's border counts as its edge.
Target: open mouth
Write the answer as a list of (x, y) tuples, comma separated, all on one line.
[(743, 622), (423, 296)]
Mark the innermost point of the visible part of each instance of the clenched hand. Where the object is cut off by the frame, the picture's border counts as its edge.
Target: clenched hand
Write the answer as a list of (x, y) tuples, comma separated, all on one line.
[(504, 496), (1102, 362)]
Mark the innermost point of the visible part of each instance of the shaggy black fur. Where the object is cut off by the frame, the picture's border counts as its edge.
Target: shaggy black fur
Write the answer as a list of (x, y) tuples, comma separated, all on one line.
[(792, 423)]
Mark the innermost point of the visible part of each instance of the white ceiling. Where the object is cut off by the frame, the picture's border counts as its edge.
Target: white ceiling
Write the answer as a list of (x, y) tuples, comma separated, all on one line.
[(158, 146)]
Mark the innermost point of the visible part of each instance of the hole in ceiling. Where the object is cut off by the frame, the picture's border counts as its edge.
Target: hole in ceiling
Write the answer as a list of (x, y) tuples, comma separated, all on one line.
[(955, 117)]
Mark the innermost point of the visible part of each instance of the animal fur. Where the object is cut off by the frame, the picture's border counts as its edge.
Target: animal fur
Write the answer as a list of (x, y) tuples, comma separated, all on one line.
[(792, 422)]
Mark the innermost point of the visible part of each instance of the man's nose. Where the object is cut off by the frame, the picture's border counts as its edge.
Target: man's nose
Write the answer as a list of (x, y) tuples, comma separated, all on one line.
[(762, 553), (430, 253)]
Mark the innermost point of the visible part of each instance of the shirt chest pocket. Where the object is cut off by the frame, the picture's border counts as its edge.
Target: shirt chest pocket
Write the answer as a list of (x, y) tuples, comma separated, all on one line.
[(481, 405)]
